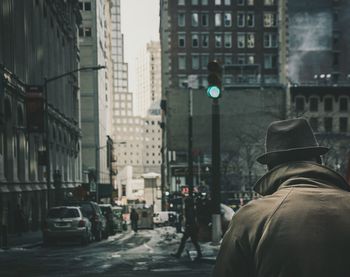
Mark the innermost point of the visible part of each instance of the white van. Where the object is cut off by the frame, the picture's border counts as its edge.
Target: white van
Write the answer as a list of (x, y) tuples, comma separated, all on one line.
[(164, 218)]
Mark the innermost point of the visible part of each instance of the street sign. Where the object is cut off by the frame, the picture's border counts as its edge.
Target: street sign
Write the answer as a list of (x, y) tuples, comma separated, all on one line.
[(192, 81)]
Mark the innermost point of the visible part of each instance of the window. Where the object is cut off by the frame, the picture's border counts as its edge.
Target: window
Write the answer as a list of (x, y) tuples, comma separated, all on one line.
[(270, 61), (250, 59), (218, 40), (204, 61), (328, 104), (240, 19), (217, 19), (181, 2), (269, 2), (217, 2), (194, 19), (328, 124), (227, 59), (81, 5), (181, 20), (250, 40), (343, 105), (250, 2), (194, 2), (299, 104), (205, 19), (270, 19), (343, 124), (205, 40), (87, 6), (240, 40), (241, 59), (195, 40), (227, 19), (87, 31), (81, 31), (182, 40), (228, 40), (204, 2), (313, 104), (240, 2), (227, 2), (182, 62), (314, 124), (270, 40), (250, 17), (195, 62)]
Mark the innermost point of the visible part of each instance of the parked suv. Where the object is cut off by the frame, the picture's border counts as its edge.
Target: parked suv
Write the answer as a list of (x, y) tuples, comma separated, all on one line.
[(93, 212), (66, 222)]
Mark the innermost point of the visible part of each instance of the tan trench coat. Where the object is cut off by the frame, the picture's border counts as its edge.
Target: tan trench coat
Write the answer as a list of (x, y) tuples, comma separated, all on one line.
[(301, 228)]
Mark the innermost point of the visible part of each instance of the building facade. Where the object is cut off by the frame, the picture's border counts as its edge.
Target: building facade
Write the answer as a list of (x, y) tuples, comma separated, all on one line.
[(96, 90), (40, 160), (243, 36)]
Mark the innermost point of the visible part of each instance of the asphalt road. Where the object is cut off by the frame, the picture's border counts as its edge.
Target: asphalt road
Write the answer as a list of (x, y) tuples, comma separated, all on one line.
[(143, 254)]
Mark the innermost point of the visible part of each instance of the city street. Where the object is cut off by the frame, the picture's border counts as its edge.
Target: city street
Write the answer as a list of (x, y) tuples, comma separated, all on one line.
[(146, 253)]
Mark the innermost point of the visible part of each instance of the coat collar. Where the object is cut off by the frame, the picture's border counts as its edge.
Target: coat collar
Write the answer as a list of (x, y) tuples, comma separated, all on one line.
[(286, 173)]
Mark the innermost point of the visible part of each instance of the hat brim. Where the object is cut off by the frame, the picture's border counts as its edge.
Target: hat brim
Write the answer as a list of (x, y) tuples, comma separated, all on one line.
[(312, 151)]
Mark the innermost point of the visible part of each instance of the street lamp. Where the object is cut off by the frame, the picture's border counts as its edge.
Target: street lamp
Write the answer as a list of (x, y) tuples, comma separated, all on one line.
[(46, 115)]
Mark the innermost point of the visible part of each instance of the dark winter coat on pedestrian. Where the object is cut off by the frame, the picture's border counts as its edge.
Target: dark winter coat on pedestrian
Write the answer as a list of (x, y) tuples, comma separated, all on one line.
[(301, 228)]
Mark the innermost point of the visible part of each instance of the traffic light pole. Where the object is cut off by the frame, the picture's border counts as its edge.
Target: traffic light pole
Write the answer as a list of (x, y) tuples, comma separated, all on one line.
[(215, 187)]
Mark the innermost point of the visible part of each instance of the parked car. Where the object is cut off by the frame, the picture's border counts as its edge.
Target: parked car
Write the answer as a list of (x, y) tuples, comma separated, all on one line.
[(164, 218), (112, 221), (92, 211), (66, 222), (119, 218)]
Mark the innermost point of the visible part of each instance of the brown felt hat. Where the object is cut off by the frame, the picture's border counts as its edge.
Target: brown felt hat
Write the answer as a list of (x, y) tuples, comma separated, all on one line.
[(289, 138)]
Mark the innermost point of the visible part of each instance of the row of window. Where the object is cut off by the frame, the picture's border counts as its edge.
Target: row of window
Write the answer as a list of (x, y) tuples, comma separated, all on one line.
[(329, 124), (328, 104), (240, 79), (225, 2), (244, 40), (244, 19), (138, 162), (85, 6), (201, 61)]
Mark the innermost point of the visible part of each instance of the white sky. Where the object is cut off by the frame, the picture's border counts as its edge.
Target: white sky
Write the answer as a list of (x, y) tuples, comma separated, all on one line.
[(140, 25)]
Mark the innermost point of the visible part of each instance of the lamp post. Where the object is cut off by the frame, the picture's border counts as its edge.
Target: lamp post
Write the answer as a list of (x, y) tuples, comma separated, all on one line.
[(46, 112)]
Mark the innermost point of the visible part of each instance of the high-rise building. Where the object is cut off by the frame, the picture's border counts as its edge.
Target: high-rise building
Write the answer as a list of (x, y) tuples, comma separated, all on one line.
[(96, 46), (265, 47), (148, 78)]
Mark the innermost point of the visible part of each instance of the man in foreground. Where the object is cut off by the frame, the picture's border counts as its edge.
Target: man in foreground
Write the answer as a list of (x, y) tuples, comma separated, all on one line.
[(301, 227)]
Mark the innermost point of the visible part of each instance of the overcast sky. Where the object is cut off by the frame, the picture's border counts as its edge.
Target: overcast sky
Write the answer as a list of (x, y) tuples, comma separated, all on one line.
[(140, 24)]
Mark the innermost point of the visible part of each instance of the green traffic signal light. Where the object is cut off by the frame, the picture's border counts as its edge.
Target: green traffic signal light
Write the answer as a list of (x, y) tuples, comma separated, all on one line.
[(214, 92), (214, 79)]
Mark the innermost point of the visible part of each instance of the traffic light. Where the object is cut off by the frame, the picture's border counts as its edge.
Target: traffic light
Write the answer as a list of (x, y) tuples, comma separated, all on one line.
[(214, 79)]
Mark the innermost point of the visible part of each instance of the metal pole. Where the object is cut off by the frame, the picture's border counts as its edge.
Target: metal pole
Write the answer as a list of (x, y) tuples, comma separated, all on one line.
[(47, 145), (216, 218), (190, 138)]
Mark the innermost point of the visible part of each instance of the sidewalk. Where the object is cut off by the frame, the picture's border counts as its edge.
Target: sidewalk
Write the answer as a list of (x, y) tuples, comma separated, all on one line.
[(26, 240)]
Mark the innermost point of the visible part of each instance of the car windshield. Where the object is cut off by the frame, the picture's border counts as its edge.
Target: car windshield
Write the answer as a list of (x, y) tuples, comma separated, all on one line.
[(63, 213)]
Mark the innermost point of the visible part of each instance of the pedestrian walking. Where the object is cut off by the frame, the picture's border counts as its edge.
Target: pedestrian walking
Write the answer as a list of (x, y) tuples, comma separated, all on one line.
[(301, 225), (134, 218), (191, 230)]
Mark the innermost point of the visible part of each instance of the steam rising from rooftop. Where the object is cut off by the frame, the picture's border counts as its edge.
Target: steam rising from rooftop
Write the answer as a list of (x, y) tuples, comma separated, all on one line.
[(308, 32)]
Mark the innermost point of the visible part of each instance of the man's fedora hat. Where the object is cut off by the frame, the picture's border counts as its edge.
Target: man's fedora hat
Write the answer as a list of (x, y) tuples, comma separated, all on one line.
[(290, 138)]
